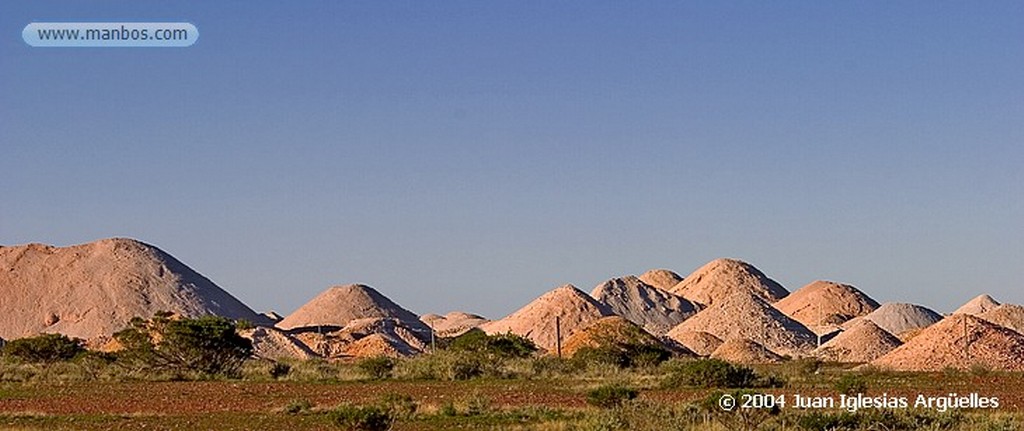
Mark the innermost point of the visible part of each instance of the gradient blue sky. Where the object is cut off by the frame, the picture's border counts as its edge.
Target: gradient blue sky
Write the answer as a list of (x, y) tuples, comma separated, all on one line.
[(472, 155)]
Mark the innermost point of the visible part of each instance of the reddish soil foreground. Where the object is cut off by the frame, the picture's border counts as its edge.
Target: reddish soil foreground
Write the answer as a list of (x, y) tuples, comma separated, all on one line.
[(198, 399)]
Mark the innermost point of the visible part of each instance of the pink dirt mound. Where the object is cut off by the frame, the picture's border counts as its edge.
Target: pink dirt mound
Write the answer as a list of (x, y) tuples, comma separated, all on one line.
[(274, 344), (536, 320), (823, 305), (960, 341), (699, 342), (94, 289), (978, 305), (339, 305), (746, 315), (452, 324), (614, 332), (661, 278), (656, 310), (1006, 315), (744, 351), (863, 342), (721, 278)]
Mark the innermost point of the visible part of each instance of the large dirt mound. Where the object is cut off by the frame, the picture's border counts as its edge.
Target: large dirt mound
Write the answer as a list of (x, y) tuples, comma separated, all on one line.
[(823, 305), (94, 289), (746, 315), (960, 341), (612, 331), (656, 310), (699, 342), (1006, 315), (978, 305), (661, 278), (271, 343), (721, 278), (863, 342), (452, 324), (536, 320), (340, 305), (744, 351), (900, 319)]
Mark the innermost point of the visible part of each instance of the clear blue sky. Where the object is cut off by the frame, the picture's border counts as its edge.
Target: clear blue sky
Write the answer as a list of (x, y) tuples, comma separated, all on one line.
[(472, 155)]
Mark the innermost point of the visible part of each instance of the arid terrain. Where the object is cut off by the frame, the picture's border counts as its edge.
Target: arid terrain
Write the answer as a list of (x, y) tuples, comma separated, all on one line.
[(661, 343)]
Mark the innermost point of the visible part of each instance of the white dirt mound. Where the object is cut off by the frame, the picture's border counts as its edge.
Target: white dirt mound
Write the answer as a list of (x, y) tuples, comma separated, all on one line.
[(375, 345), (661, 278), (1006, 315), (94, 289), (721, 278), (699, 342), (656, 310), (863, 342), (900, 319), (452, 324), (272, 316), (536, 320), (823, 305), (978, 305), (960, 341), (339, 305), (744, 351), (746, 315), (271, 343)]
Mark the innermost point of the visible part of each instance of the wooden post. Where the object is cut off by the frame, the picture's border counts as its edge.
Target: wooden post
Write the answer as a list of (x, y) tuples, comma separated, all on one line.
[(558, 336)]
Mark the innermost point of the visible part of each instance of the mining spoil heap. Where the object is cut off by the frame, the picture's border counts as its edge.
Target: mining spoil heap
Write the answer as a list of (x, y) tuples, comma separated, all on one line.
[(746, 315), (661, 278), (274, 344), (536, 321), (978, 305), (721, 278), (340, 305), (863, 342), (1006, 315), (612, 332), (960, 341), (823, 305), (744, 351), (656, 310), (94, 289), (699, 342), (452, 324), (900, 319)]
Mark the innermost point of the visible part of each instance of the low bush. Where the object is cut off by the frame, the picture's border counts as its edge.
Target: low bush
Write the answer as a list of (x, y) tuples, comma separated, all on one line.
[(851, 384), (609, 396), (378, 367), (362, 418), (712, 373), (45, 348), (298, 406)]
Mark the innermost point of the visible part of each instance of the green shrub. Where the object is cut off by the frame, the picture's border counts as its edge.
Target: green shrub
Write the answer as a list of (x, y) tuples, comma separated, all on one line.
[(279, 370), (298, 406), (207, 345), (45, 348), (711, 373), (851, 384), (498, 346), (622, 355), (362, 418), (609, 396), (401, 406), (378, 367)]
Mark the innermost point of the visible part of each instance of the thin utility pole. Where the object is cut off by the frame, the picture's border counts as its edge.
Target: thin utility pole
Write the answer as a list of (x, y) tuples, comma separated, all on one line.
[(558, 336)]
